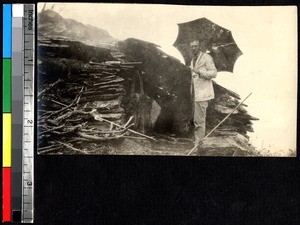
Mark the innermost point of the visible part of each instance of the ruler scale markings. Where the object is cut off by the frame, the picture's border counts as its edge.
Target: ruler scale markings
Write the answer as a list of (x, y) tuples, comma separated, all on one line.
[(28, 116)]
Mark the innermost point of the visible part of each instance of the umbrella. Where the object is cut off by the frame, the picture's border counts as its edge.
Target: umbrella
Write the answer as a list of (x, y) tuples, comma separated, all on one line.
[(217, 40)]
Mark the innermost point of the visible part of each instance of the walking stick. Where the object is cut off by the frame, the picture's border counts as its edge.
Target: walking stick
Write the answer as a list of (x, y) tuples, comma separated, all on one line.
[(193, 149)]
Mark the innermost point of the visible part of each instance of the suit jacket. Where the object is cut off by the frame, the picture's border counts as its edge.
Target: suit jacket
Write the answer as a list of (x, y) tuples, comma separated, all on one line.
[(202, 74)]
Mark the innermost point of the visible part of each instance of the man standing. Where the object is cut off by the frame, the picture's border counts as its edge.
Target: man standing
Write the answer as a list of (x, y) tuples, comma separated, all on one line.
[(203, 71)]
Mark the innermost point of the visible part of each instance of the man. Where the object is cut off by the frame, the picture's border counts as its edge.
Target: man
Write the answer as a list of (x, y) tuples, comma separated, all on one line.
[(203, 71)]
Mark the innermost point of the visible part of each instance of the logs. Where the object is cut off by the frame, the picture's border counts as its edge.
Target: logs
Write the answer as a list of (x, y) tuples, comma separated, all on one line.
[(88, 105), (225, 101)]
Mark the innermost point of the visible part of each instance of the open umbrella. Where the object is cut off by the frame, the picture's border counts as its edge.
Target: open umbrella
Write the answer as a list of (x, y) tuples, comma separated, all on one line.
[(217, 40)]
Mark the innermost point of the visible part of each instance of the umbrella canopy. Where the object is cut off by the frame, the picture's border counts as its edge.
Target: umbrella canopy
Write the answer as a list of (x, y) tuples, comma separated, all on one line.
[(215, 39)]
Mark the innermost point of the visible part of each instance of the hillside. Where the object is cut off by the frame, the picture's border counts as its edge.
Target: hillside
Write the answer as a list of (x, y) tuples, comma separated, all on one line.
[(52, 25)]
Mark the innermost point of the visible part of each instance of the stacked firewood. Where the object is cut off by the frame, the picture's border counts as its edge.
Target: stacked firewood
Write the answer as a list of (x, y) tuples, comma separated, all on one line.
[(84, 104), (223, 104)]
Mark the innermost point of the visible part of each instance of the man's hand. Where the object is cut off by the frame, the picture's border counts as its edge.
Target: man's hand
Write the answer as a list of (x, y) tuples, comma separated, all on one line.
[(201, 74), (198, 74), (195, 74)]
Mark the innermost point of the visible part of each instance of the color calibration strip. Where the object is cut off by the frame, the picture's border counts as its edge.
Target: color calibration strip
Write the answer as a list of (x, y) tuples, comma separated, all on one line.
[(18, 112), (6, 114)]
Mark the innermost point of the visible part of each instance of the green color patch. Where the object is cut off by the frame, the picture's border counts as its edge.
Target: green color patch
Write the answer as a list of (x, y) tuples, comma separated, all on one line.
[(6, 85)]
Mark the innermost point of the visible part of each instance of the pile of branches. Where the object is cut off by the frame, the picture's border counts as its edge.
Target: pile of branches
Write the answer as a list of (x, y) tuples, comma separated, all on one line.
[(72, 125), (82, 107), (224, 103)]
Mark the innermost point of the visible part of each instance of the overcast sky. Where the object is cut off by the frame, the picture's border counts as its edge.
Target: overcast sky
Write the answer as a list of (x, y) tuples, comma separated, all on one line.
[(266, 35)]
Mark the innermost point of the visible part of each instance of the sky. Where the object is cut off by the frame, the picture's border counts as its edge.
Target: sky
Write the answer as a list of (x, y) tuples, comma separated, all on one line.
[(267, 36)]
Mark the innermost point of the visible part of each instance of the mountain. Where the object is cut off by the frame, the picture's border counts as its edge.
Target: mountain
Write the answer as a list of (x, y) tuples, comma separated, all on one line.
[(53, 25)]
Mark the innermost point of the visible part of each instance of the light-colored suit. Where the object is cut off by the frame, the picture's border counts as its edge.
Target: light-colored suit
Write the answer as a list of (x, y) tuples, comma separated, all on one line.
[(202, 73)]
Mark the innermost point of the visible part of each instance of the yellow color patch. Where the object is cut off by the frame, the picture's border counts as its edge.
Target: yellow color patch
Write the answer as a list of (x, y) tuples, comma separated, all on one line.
[(6, 157)]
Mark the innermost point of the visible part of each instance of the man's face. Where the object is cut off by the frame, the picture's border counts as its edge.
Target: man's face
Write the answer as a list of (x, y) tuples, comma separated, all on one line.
[(195, 47)]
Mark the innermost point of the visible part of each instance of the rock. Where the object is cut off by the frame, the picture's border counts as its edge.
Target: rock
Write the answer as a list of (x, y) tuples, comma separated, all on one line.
[(229, 145)]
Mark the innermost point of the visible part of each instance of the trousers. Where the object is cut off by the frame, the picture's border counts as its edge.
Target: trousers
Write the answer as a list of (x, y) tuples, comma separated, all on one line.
[(200, 119)]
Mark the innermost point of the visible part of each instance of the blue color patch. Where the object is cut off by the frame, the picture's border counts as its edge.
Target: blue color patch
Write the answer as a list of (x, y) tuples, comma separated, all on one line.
[(7, 28)]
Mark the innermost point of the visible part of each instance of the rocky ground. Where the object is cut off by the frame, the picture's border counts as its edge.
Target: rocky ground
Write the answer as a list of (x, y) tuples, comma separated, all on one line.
[(232, 144)]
